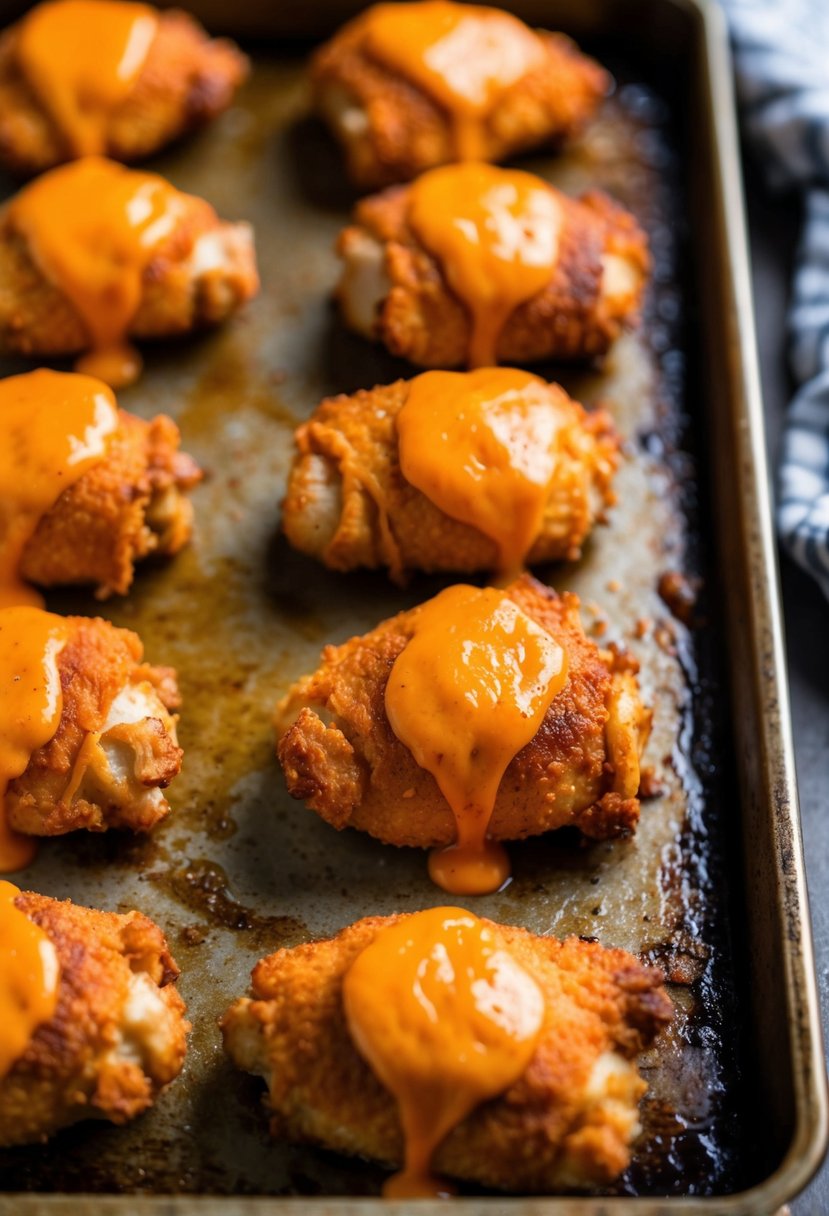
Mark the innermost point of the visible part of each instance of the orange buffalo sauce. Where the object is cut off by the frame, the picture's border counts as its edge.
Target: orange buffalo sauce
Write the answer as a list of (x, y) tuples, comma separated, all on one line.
[(29, 976), (482, 447), (81, 58), (447, 1019), (31, 702), (92, 228), (465, 695), (465, 57), (495, 233), (55, 426)]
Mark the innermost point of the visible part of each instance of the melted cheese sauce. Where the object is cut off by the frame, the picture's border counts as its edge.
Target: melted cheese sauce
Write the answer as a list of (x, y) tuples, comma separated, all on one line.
[(55, 426), (31, 702), (482, 447), (92, 228), (465, 695), (81, 58), (464, 57), (447, 1019), (495, 233), (29, 977)]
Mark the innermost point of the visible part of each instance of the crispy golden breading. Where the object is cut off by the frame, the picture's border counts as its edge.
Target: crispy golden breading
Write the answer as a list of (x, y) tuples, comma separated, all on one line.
[(581, 769), (118, 1036), (349, 504), (392, 290), (204, 271), (186, 80), (391, 130), (127, 506), (568, 1122), (109, 692)]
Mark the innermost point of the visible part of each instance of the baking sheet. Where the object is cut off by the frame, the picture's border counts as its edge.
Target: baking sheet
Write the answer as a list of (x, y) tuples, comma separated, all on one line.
[(239, 868)]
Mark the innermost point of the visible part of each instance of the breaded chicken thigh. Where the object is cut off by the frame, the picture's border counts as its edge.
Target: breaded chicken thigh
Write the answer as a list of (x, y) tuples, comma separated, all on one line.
[(394, 291), (186, 80), (128, 506), (582, 769), (118, 1036), (115, 749), (391, 129), (200, 273), (349, 504), (567, 1123)]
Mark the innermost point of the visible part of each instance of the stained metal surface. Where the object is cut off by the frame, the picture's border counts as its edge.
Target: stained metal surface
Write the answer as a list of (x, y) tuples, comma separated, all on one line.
[(239, 868)]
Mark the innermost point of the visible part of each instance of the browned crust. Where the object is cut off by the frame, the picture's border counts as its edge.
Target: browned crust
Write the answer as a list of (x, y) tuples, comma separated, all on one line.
[(127, 506), (67, 1072), (96, 663), (187, 80), (36, 318), (597, 1000), (400, 527), (422, 321), (356, 772), (407, 132)]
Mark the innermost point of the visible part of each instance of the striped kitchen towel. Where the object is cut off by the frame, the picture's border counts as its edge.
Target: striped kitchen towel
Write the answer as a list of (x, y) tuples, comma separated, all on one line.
[(781, 54)]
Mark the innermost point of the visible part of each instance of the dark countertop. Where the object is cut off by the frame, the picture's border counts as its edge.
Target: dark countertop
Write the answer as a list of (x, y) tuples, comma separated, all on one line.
[(774, 224)]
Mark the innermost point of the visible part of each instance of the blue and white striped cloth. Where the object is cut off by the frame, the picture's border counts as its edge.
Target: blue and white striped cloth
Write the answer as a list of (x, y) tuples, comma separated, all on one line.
[(781, 53)]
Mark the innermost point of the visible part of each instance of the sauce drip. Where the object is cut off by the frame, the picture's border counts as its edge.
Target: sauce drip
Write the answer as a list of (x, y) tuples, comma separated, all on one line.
[(93, 227), (465, 695), (447, 1019), (482, 447), (495, 233), (82, 58), (465, 57), (29, 976), (55, 426), (31, 702)]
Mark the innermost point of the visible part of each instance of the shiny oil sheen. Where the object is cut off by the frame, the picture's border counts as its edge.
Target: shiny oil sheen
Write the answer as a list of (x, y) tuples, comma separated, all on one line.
[(92, 228), (55, 427), (447, 1019), (29, 978), (495, 233), (465, 695), (482, 447), (31, 702), (465, 57), (81, 58)]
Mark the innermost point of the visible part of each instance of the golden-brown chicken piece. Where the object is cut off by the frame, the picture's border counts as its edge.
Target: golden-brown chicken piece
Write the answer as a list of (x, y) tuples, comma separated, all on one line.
[(395, 291), (117, 1038), (582, 769), (128, 506), (392, 125), (567, 1123), (66, 281), (115, 749), (185, 80), (349, 504)]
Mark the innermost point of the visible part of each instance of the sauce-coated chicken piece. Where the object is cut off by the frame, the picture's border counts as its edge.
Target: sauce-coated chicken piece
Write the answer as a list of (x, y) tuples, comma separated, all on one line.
[(117, 1036), (53, 106), (582, 769), (567, 1123)]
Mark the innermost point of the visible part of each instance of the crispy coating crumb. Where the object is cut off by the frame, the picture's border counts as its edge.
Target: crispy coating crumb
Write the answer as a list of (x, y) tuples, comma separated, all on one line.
[(187, 80), (200, 274), (391, 131), (567, 1122), (126, 507), (115, 748), (118, 1036), (392, 290), (340, 755), (349, 504)]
